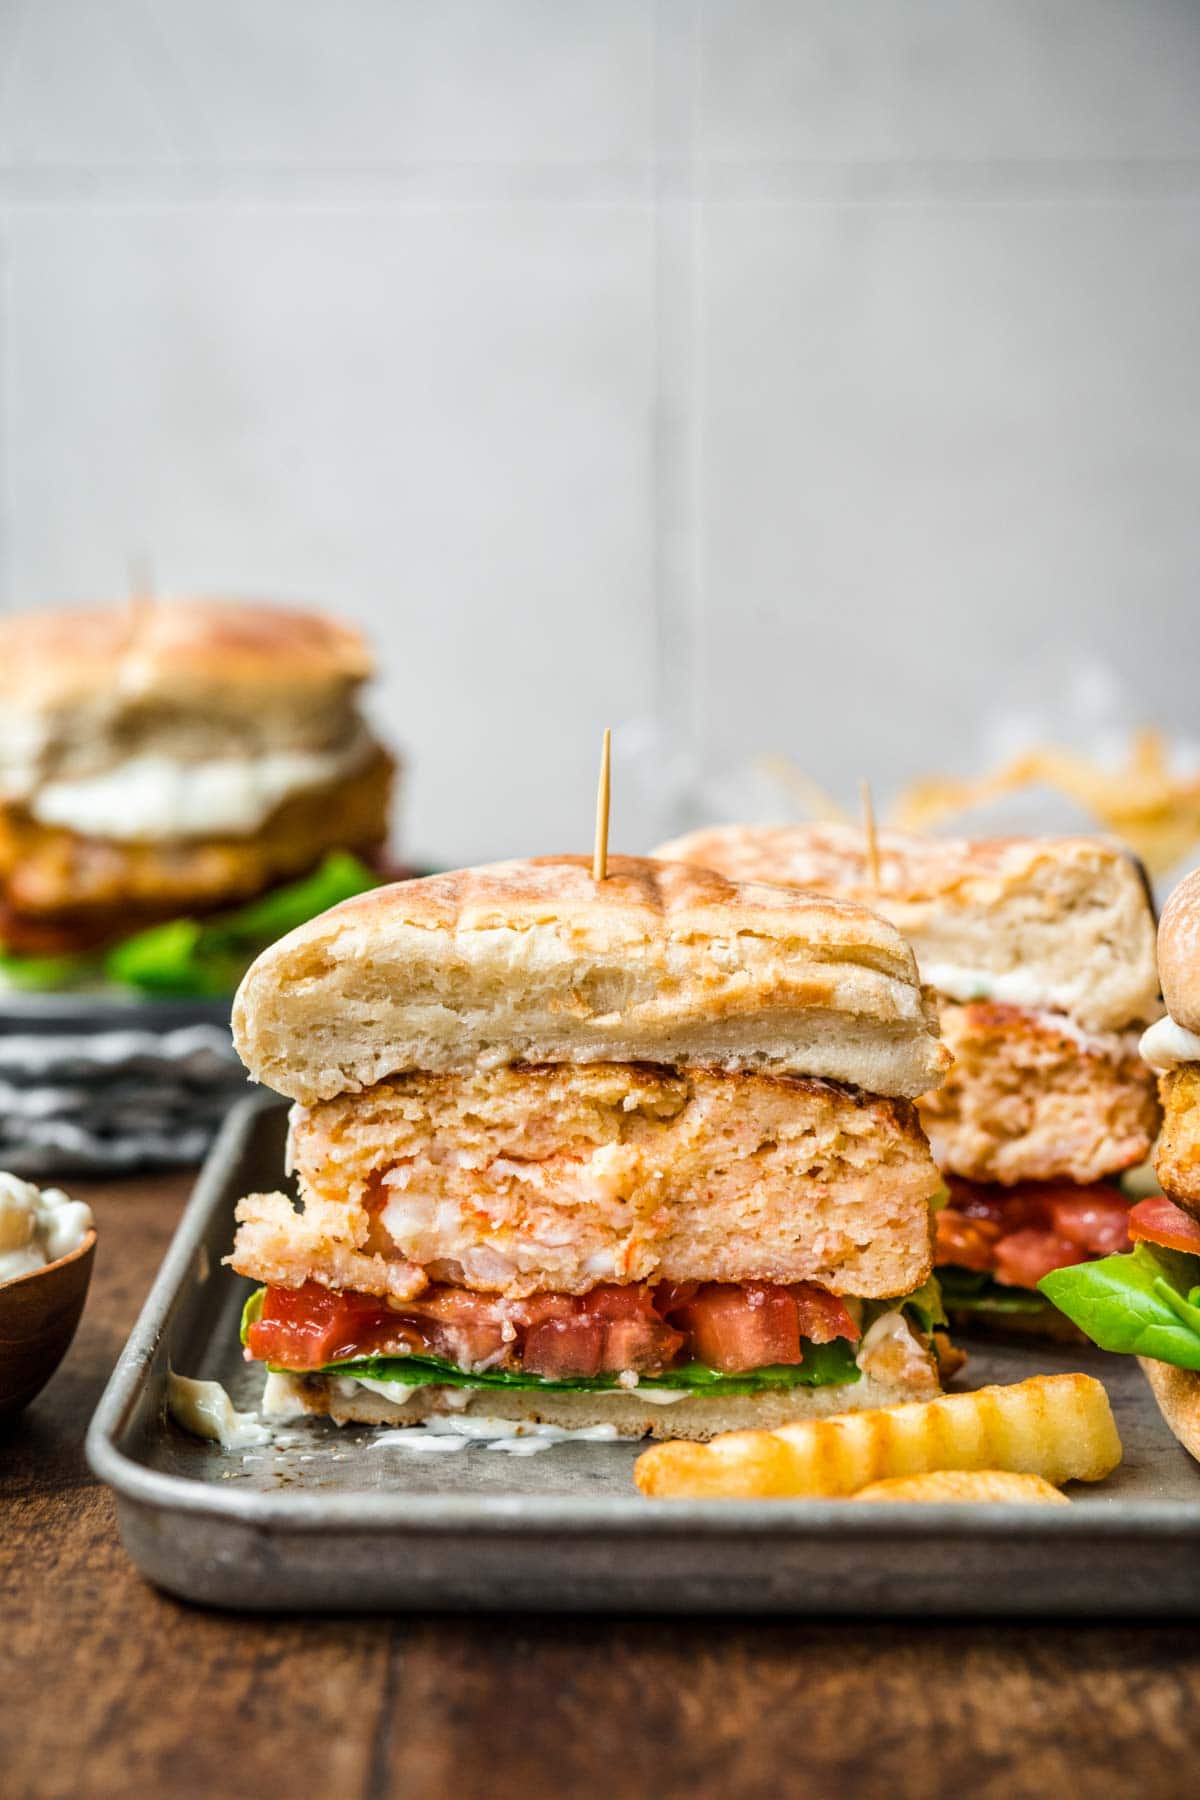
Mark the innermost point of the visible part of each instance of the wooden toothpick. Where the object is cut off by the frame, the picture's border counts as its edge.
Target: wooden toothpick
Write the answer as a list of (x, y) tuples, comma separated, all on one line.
[(600, 854), (869, 832)]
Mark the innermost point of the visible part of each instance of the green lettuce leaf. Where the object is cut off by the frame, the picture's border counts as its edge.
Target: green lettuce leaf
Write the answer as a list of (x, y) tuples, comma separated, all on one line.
[(196, 959), (926, 1303), (252, 1313), (824, 1365), (46, 974), (1145, 1302), (972, 1290), (206, 958)]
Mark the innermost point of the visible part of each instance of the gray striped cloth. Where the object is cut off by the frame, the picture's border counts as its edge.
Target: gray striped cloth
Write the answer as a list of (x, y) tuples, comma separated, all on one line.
[(113, 1100)]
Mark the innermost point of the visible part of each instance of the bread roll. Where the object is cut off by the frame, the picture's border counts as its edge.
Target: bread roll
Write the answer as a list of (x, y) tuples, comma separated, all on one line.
[(536, 962), (1039, 922)]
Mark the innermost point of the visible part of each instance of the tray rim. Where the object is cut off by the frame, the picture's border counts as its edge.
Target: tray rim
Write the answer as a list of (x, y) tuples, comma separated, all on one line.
[(522, 1514)]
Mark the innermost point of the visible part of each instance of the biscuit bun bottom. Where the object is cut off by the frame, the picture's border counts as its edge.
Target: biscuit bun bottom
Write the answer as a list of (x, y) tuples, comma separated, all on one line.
[(1179, 953), (1178, 1394), (536, 962), (694, 1417)]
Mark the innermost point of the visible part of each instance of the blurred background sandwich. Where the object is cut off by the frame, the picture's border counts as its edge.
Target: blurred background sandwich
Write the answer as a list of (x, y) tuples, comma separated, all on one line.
[(1041, 953), (639, 1153), (181, 781)]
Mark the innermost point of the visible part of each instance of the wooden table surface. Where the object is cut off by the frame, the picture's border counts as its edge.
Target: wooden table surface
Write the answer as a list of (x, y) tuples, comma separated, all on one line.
[(109, 1688)]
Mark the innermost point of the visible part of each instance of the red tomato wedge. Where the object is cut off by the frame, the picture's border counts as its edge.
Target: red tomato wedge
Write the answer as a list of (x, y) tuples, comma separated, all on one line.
[(1021, 1233), (731, 1326), (970, 1243), (610, 1329), (823, 1315), (1160, 1221), (309, 1326), (739, 1328), (1022, 1258), (1095, 1218)]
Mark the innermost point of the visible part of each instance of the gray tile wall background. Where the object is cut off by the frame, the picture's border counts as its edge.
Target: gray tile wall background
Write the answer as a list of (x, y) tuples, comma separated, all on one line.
[(804, 375)]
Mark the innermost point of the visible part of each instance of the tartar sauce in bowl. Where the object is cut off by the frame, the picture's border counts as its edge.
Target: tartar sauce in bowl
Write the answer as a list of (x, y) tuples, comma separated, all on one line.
[(37, 1226)]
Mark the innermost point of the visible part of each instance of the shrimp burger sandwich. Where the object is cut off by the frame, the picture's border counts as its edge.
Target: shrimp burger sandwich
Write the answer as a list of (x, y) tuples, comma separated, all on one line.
[(639, 1151)]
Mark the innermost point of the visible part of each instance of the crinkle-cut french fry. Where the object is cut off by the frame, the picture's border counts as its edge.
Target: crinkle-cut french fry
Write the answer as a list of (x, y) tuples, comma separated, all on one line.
[(968, 1485), (1058, 1426)]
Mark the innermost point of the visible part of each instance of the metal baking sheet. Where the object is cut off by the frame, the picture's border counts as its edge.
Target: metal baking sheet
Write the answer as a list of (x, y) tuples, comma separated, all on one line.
[(327, 1519)]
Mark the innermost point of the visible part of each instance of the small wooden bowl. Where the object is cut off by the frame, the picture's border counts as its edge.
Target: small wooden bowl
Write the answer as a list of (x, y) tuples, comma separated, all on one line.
[(38, 1316)]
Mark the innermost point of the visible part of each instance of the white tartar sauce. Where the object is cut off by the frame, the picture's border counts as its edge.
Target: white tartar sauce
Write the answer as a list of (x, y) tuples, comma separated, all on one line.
[(1165, 1045), (1007, 987), (37, 1226), (158, 796), (205, 1409), (519, 1437)]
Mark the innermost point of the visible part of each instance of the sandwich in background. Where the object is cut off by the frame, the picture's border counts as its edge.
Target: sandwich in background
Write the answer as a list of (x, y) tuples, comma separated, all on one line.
[(1041, 952), (181, 782), (638, 1153), (1148, 1302)]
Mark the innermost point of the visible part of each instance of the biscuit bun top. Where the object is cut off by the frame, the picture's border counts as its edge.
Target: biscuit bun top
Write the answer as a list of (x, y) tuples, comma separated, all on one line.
[(1179, 953), (1060, 923), (174, 652), (537, 962)]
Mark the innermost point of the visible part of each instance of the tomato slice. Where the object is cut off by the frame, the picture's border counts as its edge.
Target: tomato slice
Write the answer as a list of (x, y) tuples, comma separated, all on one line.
[(1021, 1233), (1160, 1221), (309, 1326), (562, 1348), (609, 1329), (738, 1328), (1095, 1218), (464, 1327), (1009, 1208), (823, 1316), (970, 1243), (731, 1326), (1023, 1257)]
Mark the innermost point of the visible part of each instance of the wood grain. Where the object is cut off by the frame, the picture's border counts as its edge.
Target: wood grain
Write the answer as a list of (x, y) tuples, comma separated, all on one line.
[(109, 1688)]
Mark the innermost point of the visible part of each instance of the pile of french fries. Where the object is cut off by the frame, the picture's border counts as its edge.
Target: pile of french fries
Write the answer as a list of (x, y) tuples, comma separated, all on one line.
[(999, 1443), (1146, 802)]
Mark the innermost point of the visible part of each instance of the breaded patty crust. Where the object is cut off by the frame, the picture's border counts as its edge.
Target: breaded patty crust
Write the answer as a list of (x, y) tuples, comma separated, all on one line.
[(60, 891), (526, 1178), (1030, 1098), (1177, 1162)]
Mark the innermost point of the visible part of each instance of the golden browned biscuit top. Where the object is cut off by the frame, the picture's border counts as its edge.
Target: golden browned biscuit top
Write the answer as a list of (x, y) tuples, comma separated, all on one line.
[(536, 961), (640, 900), (157, 647), (1057, 922)]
